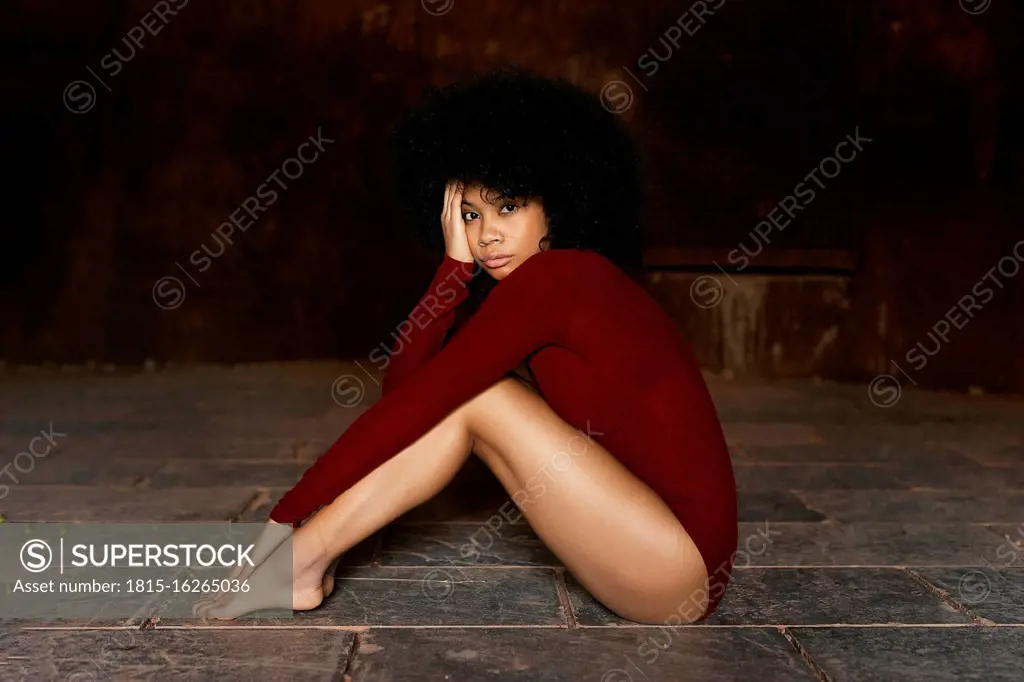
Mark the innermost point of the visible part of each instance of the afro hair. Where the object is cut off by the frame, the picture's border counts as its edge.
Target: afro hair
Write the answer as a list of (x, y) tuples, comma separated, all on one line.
[(525, 136)]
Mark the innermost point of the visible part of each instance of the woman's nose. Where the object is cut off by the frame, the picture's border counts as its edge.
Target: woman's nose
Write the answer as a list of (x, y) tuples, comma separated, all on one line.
[(489, 235)]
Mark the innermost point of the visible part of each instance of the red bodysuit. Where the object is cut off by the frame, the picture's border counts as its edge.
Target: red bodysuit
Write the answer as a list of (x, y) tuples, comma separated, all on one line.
[(607, 359)]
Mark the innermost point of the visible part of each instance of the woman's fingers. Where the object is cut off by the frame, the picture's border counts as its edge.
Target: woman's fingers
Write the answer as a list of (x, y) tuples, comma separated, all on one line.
[(454, 226), (446, 205), (457, 198), (451, 206), (455, 211)]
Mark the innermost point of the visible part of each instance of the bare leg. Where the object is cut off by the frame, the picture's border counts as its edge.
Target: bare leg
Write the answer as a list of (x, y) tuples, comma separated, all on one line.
[(408, 479), (613, 533)]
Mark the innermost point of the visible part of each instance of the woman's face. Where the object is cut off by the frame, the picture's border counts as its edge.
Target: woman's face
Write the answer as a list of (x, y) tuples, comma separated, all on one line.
[(502, 232)]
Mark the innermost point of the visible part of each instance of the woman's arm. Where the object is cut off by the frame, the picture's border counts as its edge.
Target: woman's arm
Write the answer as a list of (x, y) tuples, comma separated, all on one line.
[(531, 308), (421, 335)]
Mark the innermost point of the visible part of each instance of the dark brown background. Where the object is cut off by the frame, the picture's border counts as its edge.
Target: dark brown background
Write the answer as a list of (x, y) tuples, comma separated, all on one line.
[(101, 205)]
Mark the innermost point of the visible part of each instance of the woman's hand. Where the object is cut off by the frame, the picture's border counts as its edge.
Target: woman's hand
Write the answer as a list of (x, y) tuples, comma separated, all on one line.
[(455, 240)]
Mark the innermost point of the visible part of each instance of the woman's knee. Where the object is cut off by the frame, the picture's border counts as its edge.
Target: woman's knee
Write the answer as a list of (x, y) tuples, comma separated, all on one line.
[(499, 394), (477, 415), (669, 607)]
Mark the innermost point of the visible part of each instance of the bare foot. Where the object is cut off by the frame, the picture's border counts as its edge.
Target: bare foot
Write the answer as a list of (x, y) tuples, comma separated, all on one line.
[(293, 577), (327, 586), (270, 539)]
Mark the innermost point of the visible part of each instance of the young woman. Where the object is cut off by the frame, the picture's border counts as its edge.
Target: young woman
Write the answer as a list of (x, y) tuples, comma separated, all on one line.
[(611, 448)]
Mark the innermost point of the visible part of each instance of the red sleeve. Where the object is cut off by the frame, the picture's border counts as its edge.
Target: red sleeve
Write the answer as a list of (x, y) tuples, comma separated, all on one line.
[(421, 335), (525, 311)]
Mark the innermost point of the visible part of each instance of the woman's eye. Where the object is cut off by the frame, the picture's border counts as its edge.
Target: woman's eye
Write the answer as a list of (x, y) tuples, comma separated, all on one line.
[(468, 216), (511, 207)]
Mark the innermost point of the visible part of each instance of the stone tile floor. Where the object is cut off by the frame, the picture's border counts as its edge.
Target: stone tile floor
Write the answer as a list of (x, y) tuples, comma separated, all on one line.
[(875, 543)]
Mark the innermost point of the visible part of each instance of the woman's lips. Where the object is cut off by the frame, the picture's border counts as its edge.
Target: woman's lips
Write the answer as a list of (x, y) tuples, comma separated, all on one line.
[(497, 260)]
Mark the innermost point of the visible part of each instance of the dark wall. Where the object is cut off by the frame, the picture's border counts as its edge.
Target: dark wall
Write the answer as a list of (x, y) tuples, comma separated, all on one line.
[(107, 202)]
